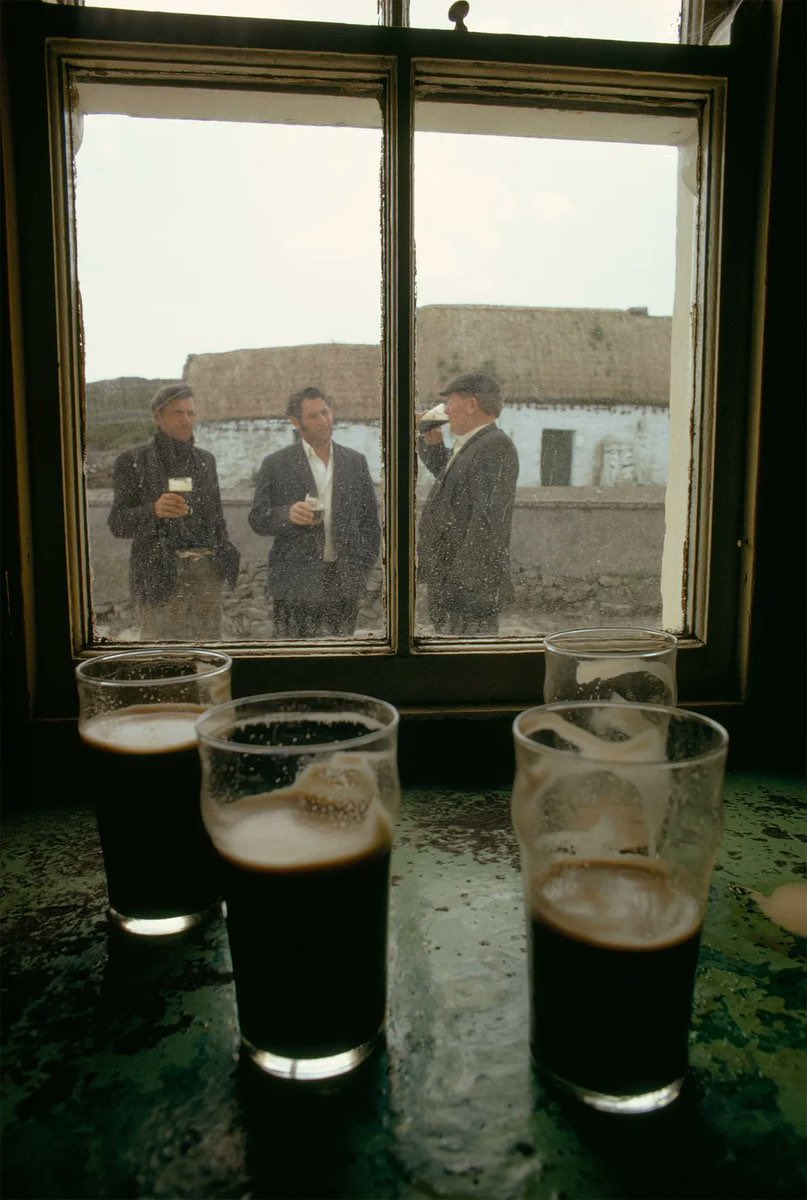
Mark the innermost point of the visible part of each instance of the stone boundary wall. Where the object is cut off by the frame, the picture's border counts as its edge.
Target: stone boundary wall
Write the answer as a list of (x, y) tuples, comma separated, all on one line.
[(581, 556)]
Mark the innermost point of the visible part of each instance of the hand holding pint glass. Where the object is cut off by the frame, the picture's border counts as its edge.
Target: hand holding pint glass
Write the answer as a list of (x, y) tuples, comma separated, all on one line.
[(137, 714), (299, 794), (618, 813), (182, 485), (632, 665), (315, 507)]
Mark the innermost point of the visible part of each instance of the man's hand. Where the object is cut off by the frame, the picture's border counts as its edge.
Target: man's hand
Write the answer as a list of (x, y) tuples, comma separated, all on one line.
[(301, 514), (171, 504)]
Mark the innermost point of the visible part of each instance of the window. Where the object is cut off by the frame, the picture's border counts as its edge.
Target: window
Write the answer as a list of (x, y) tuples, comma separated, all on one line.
[(541, 226), (421, 87), (232, 244), (241, 257), (347, 12), (651, 21)]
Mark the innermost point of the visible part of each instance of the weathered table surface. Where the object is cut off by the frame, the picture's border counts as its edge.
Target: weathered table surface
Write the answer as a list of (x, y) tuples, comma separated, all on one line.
[(122, 1076)]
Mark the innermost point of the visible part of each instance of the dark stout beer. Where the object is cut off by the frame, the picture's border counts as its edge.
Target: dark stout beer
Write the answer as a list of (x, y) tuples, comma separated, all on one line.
[(613, 950), (307, 922), (143, 772)]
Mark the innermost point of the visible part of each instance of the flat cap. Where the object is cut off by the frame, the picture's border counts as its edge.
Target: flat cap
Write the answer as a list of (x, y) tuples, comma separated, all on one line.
[(472, 383), (171, 391)]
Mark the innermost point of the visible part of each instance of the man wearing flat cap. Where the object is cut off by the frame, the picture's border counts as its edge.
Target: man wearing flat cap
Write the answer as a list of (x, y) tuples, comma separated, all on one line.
[(167, 500), (464, 530)]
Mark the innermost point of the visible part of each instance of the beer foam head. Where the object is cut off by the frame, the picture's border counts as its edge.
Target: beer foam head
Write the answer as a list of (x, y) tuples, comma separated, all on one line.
[(589, 672), (330, 814), (338, 789), (628, 903), (787, 906), (150, 729)]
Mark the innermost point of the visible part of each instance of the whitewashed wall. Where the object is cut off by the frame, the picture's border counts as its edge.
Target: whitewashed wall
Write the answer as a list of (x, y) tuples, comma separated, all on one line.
[(241, 445), (645, 429)]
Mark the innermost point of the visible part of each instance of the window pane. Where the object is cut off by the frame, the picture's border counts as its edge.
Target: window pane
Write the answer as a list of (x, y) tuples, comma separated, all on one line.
[(623, 20), (347, 12), (549, 266), (240, 259)]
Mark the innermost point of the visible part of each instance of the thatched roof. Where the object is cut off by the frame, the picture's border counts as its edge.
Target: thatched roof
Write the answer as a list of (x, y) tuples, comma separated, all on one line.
[(543, 356), (258, 383), (548, 355)]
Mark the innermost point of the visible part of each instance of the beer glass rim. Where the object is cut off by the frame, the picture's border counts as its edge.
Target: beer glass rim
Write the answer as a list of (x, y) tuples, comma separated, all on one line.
[(85, 668), (667, 642), (225, 743), (717, 750)]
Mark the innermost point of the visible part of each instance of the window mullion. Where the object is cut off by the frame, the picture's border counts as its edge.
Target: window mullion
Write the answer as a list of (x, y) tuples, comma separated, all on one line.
[(399, 336)]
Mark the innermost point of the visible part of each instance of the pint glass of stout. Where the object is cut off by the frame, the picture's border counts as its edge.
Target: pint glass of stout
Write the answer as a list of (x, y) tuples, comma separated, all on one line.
[(299, 794), (632, 665), (316, 508), (618, 814), (137, 714)]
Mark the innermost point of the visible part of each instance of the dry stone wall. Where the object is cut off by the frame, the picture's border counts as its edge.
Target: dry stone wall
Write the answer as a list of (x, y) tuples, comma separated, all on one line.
[(593, 559)]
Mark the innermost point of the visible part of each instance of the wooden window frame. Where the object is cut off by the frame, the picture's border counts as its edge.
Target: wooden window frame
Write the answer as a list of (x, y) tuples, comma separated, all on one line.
[(485, 680)]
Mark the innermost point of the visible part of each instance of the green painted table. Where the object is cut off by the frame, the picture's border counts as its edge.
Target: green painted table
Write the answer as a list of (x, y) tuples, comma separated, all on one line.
[(121, 1068)]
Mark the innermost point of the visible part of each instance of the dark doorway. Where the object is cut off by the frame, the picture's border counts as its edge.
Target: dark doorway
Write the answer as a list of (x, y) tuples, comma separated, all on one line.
[(556, 457)]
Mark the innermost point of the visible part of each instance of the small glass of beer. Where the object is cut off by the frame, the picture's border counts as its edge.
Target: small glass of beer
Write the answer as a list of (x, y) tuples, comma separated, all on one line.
[(632, 665), (299, 794), (618, 813), (137, 714), (315, 507)]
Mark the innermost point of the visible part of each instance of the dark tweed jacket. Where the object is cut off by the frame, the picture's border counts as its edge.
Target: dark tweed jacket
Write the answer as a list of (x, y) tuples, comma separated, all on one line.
[(295, 557), (139, 477), (466, 522)]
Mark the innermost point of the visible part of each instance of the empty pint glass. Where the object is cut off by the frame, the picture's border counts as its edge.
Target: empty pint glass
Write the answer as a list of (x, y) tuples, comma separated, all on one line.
[(618, 813), (634, 665), (137, 715), (299, 794)]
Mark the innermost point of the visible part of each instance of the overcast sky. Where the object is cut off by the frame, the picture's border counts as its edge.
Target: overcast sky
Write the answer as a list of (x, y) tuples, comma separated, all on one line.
[(201, 236)]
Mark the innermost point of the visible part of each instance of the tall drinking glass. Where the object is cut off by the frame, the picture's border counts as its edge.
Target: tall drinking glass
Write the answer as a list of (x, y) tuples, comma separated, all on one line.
[(635, 665), (137, 714), (299, 794), (618, 813)]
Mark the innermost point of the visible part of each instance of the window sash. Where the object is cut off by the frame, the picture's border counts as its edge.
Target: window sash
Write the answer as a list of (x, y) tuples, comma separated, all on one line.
[(86, 78)]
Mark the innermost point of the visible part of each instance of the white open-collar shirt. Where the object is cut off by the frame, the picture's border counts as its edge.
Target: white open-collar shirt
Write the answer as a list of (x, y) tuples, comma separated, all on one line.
[(323, 478)]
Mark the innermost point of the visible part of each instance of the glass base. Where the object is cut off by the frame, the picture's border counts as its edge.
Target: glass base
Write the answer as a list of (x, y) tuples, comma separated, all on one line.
[(161, 926), (311, 1068), (644, 1102)]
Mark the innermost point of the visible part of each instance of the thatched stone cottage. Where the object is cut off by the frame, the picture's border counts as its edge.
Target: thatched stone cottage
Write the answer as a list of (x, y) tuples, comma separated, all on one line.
[(586, 390), (586, 401)]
